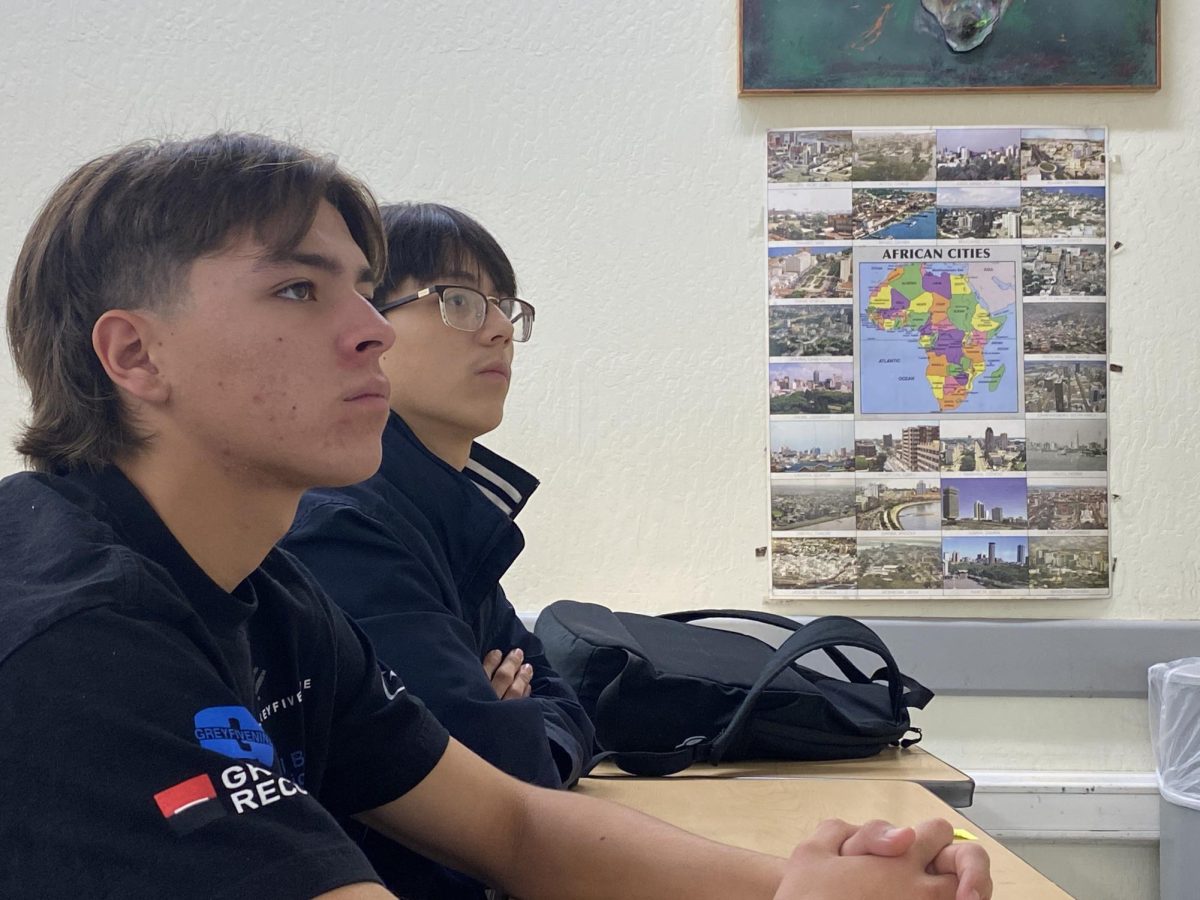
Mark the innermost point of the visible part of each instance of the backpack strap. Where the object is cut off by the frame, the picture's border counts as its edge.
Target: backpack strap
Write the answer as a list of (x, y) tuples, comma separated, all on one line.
[(748, 615), (826, 633), (839, 659), (916, 695)]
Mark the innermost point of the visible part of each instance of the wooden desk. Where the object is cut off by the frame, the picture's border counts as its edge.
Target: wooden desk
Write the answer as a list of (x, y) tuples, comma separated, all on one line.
[(772, 816), (893, 764)]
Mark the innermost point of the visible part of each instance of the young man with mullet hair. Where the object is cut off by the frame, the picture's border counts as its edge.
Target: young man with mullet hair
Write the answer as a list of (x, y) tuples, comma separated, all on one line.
[(183, 712)]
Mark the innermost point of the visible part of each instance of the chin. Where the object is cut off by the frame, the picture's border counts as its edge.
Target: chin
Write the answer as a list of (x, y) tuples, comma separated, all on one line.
[(486, 424), (352, 470)]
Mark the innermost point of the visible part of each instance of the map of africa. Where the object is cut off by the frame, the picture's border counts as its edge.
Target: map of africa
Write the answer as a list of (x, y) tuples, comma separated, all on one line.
[(938, 337)]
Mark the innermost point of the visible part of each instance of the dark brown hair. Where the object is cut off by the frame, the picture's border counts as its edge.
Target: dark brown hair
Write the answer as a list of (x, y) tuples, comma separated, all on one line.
[(121, 233), (428, 240)]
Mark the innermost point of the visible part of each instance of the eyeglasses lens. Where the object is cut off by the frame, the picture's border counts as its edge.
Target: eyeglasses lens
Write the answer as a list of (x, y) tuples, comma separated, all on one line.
[(519, 313), (463, 308), (466, 310)]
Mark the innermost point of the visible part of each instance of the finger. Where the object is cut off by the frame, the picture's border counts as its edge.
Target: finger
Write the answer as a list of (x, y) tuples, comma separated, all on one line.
[(520, 684), (491, 661), (879, 838), (830, 835), (932, 836), (507, 671), (525, 677), (970, 863)]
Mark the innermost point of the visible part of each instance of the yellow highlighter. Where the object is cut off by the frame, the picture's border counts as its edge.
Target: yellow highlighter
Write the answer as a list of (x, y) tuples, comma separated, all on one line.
[(961, 834)]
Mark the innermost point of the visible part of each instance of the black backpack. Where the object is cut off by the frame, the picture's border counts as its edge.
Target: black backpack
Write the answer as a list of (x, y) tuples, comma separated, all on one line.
[(665, 694)]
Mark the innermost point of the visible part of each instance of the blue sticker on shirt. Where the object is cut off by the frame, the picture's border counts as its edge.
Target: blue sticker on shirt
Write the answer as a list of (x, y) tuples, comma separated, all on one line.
[(234, 732)]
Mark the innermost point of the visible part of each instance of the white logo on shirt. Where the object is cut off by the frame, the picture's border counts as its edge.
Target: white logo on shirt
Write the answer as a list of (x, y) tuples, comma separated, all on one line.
[(253, 787), (287, 702), (392, 686)]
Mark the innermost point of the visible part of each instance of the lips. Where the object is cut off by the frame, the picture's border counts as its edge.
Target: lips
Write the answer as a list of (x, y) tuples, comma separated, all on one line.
[(376, 388), (497, 369)]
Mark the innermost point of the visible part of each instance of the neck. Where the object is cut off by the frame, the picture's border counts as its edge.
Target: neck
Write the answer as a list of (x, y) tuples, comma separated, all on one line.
[(226, 524), (448, 445)]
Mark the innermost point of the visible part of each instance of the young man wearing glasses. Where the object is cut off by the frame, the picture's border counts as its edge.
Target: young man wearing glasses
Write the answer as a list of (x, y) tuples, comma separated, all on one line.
[(183, 711), (415, 554)]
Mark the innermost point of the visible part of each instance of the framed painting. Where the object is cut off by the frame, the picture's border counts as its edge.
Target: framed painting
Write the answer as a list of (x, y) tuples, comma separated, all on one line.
[(801, 46)]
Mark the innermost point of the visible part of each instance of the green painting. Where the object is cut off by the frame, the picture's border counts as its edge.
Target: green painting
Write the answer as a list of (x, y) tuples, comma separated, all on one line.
[(917, 45)]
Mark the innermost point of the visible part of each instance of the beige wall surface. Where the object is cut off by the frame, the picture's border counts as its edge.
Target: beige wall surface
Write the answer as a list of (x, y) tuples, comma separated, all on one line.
[(607, 148)]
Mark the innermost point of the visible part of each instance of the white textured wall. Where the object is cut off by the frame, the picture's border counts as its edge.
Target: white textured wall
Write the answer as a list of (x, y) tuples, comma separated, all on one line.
[(606, 146)]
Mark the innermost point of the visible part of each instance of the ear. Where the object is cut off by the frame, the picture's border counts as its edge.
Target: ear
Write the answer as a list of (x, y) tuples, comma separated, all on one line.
[(122, 339)]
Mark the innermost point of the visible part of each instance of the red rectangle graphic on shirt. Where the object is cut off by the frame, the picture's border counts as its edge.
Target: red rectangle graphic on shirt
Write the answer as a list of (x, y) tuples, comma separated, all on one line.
[(185, 794)]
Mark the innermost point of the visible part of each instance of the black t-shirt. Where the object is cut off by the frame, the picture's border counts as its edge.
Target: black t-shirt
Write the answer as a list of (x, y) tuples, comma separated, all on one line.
[(160, 737)]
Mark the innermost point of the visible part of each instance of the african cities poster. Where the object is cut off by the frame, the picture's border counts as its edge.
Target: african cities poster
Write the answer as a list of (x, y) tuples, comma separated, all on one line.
[(937, 375)]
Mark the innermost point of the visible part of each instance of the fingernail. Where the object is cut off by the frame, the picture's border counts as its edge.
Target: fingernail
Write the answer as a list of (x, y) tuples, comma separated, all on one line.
[(974, 895), (895, 832), (519, 653), (527, 669)]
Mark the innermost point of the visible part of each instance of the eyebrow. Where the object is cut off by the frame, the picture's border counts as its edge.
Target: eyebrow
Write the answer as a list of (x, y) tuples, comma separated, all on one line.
[(315, 261)]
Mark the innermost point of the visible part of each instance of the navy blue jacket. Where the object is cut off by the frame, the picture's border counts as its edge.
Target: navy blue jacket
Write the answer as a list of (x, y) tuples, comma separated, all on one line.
[(415, 555)]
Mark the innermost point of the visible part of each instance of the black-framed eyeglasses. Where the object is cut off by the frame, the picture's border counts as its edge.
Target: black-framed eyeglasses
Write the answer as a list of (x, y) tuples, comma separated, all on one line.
[(466, 309)]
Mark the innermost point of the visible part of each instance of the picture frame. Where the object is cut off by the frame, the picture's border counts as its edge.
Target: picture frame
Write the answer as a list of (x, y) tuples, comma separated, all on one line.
[(900, 46)]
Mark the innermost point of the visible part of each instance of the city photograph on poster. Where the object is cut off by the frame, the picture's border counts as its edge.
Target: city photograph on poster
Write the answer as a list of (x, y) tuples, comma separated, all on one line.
[(813, 213), (894, 214), (1065, 386), (984, 504), (801, 156), (1064, 211), (1062, 154), (982, 213), (897, 504), (903, 154), (938, 337), (899, 563), (983, 445), (819, 444), (1064, 270), (822, 272), (811, 329), (988, 562), (812, 386), (1067, 443), (812, 503), (978, 154), (814, 564), (1067, 504), (1069, 326), (891, 446), (1068, 562)]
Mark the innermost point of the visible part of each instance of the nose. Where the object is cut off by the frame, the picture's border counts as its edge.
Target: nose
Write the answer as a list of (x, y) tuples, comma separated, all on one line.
[(364, 332), (496, 326)]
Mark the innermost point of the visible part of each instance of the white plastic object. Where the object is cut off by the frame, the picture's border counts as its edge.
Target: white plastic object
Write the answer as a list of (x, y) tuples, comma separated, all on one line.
[(1174, 706)]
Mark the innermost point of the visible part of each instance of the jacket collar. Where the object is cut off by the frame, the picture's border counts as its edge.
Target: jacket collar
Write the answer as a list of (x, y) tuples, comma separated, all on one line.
[(505, 485)]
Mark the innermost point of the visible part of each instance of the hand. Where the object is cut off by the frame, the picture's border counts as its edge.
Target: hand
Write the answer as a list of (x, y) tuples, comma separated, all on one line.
[(510, 675), (967, 860), (818, 870)]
